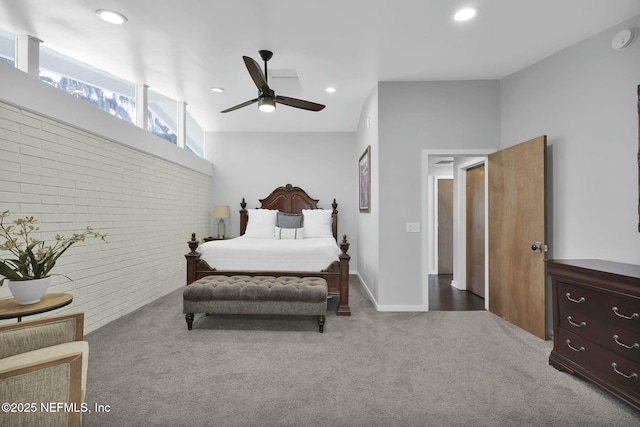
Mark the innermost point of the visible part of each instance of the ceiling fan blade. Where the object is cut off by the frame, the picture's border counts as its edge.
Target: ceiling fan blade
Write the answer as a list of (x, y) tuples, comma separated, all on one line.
[(244, 104), (299, 103), (256, 73)]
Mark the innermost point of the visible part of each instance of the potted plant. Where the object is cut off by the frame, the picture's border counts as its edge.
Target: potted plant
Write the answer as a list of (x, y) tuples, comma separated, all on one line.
[(28, 267)]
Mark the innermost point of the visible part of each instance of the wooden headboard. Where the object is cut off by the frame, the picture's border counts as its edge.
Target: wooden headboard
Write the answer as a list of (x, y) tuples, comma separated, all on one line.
[(289, 199)]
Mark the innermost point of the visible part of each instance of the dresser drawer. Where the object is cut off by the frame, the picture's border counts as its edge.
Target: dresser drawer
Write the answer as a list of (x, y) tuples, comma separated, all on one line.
[(620, 310), (623, 341), (609, 366)]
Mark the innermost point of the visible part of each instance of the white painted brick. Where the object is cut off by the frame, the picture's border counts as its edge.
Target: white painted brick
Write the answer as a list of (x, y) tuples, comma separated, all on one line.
[(8, 137), (58, 129), (33, 151), (15, 197), (147, 205), (7, 128), (37, 209), (15, 158), (8, 171), (37, 189), (39, 171), (34, 136), (9, 113), (23, 178)]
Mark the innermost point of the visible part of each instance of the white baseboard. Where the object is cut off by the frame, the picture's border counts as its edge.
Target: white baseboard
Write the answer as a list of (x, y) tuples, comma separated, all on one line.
[(420, 308), (366, 289), (397, 308)]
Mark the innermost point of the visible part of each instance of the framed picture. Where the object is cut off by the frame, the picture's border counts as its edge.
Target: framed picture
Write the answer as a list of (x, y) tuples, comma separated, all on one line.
[(364, 174)]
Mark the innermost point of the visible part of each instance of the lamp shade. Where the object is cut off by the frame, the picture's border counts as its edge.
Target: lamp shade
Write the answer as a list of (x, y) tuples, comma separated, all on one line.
[(221, 212)]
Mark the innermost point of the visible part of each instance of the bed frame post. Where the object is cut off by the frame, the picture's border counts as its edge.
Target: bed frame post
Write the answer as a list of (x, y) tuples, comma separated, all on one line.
[(343, 307), (243, 217), (192, 259), (334, 218)]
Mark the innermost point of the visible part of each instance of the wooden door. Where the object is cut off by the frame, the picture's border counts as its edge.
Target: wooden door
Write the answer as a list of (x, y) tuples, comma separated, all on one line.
[(445, 226), (475, 220), (517, 209)]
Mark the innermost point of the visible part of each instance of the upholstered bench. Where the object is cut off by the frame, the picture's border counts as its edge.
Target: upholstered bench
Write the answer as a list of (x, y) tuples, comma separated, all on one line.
[(256, 295)]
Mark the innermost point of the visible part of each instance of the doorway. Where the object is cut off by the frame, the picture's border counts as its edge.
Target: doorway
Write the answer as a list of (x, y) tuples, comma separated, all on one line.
[(514, 264), (448, 291)]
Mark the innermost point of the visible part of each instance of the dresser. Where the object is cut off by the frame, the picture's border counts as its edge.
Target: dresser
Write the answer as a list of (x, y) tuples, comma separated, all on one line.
[(596, 323)]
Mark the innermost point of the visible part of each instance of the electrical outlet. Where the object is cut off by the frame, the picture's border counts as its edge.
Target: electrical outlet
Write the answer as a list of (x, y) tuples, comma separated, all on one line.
[(413, 227)]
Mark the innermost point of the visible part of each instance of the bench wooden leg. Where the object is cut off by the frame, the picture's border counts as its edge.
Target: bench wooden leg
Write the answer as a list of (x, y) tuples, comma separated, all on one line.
[(321, 324), (189, 317)]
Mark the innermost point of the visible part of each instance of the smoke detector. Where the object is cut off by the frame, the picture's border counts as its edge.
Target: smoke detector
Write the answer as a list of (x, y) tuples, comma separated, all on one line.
[(623, 39)]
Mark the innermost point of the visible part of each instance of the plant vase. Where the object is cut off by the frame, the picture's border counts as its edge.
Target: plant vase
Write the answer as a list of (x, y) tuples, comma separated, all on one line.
[(29, 291)]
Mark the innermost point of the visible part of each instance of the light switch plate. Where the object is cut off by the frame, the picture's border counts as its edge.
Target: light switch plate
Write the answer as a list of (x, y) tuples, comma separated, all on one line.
[(413, 227)]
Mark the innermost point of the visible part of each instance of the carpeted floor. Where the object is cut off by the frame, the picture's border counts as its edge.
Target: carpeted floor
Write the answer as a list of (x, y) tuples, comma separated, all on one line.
[(371, 369)]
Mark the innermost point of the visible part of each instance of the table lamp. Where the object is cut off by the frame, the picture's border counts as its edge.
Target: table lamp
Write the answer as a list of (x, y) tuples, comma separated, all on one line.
[(221, 212)]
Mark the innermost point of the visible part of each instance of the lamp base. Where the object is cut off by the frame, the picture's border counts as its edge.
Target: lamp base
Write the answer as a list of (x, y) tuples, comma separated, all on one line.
[(221, 229)]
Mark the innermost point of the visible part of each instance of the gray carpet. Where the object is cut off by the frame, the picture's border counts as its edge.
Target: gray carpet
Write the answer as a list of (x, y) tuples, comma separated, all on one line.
[(370, 369)]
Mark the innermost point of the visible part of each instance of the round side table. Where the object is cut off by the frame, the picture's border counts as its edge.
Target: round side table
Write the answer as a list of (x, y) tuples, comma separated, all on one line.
[(10, 308)]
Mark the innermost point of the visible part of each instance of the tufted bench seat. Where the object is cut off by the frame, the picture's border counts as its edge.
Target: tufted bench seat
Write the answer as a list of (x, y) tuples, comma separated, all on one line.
[(291, 295)]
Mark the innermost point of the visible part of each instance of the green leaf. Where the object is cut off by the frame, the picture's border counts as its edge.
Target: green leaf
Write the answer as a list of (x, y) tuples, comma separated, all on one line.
[(8, 271)]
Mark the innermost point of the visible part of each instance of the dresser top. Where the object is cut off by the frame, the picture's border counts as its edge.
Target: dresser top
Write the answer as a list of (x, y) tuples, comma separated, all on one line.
[(599, 265)]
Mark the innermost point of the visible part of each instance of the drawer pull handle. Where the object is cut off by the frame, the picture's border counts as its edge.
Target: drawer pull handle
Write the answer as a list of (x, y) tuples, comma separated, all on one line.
[(633, 316), (577, 325), (617, 340), (633, 376), (578, 350), (577, 301)]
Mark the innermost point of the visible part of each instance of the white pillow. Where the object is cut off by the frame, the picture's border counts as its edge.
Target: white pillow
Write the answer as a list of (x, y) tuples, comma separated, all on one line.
[(289, 233), (261, 223), (317, 223)]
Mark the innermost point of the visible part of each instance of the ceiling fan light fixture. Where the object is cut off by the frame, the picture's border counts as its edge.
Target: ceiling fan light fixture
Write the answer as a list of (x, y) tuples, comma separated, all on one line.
[(266, 96), (266, 104), (111, 16), (465, 14)]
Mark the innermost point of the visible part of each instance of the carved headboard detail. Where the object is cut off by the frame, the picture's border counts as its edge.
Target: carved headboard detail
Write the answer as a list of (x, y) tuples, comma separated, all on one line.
[(289, 199)]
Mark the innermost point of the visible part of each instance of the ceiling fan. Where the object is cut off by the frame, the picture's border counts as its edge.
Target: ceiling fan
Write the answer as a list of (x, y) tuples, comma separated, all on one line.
[(267, 98)]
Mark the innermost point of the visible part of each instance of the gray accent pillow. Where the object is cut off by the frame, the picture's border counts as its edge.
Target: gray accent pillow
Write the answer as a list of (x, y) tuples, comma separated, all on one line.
[(287, 220)]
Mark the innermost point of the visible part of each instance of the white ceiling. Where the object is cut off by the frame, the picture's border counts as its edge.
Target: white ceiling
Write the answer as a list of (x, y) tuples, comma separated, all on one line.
[(182, 48)]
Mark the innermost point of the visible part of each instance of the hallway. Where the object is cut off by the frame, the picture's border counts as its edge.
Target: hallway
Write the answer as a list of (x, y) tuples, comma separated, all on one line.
[(444, 297)]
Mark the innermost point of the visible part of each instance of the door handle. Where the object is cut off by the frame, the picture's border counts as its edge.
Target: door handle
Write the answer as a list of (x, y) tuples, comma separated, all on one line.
[(539, 247)]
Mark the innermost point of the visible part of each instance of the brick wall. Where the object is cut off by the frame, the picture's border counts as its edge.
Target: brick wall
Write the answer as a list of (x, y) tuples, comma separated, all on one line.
[(69, 178)]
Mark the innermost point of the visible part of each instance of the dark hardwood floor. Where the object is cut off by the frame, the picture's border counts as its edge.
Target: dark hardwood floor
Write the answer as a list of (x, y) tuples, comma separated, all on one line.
[(444, 297)]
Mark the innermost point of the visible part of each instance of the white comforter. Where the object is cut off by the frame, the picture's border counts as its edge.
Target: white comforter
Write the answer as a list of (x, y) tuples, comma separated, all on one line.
[(246, 253)]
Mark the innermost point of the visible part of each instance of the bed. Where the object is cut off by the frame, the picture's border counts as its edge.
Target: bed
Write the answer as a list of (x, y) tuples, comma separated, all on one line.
[(320, 254)]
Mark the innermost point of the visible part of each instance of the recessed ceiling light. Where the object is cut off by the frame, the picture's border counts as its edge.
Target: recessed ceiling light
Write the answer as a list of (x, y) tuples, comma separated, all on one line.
[(465, 14), (330, 89), (217, 89), (111, 16)]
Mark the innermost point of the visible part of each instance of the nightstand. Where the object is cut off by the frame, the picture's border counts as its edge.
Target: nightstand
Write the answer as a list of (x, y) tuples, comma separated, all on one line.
[(211, 238)]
